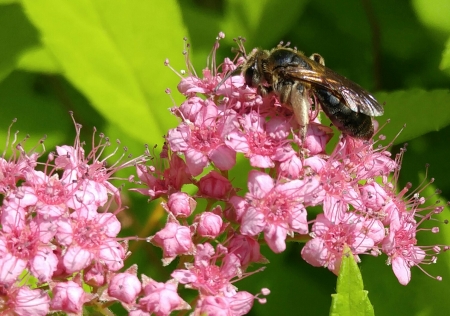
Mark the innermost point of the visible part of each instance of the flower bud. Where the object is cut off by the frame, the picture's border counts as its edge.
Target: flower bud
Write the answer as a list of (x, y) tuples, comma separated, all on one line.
[(181, 204), (125, 287), (210, 225), (214, 185), (68, 297)]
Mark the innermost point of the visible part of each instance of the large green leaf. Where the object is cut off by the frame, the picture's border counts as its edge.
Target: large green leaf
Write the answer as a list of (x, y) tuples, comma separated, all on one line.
[(39, 59), (351, 299), (422, 112), (113, 52), (433, 13), (445, 62), (38, 112), (16, 35), (261, 22)]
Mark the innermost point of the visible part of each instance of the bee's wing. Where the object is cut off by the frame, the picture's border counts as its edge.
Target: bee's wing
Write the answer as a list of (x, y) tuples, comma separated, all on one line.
[(356, 98)]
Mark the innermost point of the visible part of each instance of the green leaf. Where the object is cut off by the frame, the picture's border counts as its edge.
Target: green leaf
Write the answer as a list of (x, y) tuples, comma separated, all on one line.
[(422, 112), (16, 35), (39, 59), (351, 299), (111, 51), (433, 13), (445, 62), (38, 112), (261, 22), (8, 1)]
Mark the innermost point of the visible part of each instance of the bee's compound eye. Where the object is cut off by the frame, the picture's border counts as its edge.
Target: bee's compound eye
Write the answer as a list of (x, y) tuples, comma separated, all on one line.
[(248, 76), (252, 78)]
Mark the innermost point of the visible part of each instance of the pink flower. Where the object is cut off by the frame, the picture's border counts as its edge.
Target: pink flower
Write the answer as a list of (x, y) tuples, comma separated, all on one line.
[(161, 298), (68, 297), (205, 276), (363, 159), (90, 174), (373, 196), (259, 140), (24, 248), (239, 304), (174, 239), (90, 236), (77, 258), (51, 195), (400, 246), (326, 247), (15, 169), (203, 140), (275, 209), (193, 84)]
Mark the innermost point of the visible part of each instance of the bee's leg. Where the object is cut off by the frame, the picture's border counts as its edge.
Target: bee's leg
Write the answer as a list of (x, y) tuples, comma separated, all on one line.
[(318, 59), (300, 105), (264, 91)]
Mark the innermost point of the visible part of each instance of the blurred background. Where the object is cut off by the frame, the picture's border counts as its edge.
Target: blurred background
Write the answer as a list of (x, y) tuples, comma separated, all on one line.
[(104, 60)]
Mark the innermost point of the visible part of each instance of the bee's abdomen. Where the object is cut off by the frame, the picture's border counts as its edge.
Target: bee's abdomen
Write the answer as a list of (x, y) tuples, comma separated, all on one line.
[(349, 122)]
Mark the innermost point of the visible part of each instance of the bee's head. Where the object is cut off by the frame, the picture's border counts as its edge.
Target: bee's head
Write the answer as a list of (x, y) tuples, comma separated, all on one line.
[(254, 68)]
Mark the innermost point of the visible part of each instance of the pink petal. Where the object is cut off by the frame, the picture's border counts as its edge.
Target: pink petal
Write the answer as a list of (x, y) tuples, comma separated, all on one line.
[(261, 161), (196, 161), (76, 259), (314, 252), (44, 264), (298, 221), (237, 142), (401, 270), (10, 268), (112, 254), (253, 222), (259, 184), (275, 236), (223, 157)]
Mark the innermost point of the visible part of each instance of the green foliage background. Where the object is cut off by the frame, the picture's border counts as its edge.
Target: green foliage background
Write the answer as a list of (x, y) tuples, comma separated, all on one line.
[(103, 59)]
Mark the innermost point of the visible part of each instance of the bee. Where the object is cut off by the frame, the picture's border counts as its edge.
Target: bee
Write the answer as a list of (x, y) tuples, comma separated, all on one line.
[(299, 81)]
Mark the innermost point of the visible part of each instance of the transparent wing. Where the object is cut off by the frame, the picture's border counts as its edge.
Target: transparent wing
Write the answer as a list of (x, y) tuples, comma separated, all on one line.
[(356, 98)]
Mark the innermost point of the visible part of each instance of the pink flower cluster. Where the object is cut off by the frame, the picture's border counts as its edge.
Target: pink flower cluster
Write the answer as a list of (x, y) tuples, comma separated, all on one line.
[(355, 183), (57, 236)]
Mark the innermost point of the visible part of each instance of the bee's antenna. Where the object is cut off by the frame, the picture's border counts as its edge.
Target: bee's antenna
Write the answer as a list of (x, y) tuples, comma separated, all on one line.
[(240, 43)]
